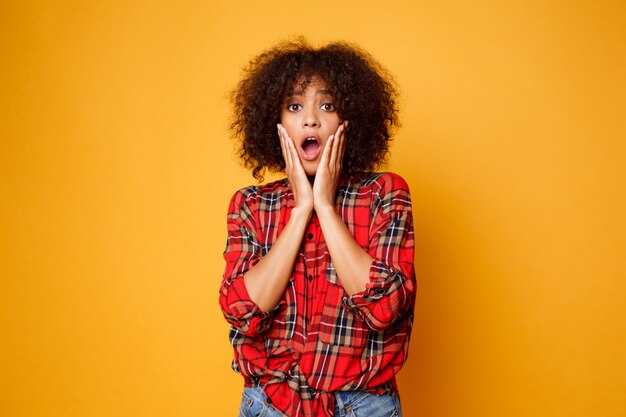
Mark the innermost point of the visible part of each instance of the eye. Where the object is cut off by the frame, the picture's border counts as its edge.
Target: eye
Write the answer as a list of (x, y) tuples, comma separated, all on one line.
[(328, 107), (294, 107)]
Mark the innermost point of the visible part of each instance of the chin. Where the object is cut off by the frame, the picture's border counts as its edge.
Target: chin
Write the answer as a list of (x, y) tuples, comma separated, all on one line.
[(310, 172)]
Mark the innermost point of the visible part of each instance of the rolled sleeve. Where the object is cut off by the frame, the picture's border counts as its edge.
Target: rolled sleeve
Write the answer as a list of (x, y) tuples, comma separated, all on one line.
[(241, 254), (240, 311), (391, 287)]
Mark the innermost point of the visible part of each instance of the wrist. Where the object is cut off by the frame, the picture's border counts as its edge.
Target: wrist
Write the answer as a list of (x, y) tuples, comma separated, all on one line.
[(325, 210), (302, 213)]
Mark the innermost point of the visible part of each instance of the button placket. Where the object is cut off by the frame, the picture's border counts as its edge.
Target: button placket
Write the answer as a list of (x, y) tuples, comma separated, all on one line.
[(310, 268)]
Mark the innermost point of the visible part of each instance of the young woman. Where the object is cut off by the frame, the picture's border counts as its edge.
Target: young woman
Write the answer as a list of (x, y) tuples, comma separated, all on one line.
[(319, 285)]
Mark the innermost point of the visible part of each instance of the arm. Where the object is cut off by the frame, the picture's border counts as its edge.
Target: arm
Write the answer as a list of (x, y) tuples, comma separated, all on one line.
[(351, 261), (266, 281), (242, 253), (380, 281), (391, 286), (253, 285)]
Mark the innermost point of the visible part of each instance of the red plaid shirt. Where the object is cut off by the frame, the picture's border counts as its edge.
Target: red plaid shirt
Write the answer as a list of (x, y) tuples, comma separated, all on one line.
[(318, 339)]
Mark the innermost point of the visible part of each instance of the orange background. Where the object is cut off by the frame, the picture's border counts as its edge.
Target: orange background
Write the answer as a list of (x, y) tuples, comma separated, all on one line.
[(116, 172)]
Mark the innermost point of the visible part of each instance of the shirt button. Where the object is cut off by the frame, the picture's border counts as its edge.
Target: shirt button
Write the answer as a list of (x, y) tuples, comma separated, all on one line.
[(310, 236), (310, 278)]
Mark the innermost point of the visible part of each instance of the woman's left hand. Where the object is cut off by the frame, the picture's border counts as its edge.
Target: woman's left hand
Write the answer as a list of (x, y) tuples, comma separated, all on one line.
[(329, 170)]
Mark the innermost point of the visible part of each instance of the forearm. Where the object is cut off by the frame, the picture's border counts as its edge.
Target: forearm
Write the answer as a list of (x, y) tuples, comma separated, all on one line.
[(351, 261), (267, 280)]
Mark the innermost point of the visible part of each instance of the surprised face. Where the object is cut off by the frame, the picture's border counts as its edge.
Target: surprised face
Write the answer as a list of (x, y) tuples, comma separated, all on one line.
[(310, 118)]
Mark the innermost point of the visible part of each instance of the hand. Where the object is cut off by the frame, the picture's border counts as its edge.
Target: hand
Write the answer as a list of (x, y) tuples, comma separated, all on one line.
[(298, 181), (329, 170)]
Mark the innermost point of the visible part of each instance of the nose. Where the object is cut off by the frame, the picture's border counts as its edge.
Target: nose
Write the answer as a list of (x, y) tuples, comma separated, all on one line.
[(310, 119)]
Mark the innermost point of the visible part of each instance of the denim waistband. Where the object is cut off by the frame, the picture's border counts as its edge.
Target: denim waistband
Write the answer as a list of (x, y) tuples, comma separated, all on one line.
[(385, 389)]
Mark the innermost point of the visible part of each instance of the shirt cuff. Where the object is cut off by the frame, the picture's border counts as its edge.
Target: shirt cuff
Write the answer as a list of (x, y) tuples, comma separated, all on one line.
[(381, 279), (244, 313)]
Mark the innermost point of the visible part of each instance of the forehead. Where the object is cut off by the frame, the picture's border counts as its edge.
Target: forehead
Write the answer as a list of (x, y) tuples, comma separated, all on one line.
[(308, 86)]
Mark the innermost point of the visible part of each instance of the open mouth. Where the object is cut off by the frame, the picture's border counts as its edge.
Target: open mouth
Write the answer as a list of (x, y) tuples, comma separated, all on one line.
[(310, 148)]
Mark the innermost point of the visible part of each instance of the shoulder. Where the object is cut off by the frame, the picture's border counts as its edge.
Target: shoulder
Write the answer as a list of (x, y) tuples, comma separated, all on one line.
[(389, 192), (382, 182), (252, 194)]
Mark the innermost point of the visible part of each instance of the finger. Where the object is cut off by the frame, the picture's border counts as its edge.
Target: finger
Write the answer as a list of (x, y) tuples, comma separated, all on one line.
[(293, 153), (288, 146), (282, 144), (288, 141), (327, 152), (288, 154), (343, 144), (333, 155)]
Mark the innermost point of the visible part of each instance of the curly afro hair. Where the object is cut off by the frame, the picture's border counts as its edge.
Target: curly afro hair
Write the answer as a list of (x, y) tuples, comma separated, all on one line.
[(363, 91)]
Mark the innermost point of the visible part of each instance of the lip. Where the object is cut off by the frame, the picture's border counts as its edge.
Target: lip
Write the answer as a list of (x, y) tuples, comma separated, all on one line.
[(310, 156)]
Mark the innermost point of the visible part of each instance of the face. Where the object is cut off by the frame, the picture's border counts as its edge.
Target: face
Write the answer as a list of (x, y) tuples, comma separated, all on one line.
[(310, 117)]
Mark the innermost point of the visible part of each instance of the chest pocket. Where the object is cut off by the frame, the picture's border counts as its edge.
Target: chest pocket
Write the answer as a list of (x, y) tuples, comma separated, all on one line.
[(284, 320), (338, 326)]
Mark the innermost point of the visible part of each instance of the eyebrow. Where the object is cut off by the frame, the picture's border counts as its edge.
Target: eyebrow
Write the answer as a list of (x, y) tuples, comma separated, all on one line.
[(299, 93)]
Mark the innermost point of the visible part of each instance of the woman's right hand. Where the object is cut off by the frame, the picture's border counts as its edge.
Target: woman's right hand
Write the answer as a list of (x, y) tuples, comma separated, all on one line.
[(298, 180)]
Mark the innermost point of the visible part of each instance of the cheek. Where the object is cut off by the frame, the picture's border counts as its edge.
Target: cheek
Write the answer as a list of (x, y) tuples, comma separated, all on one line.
[(333, 119), (288, 123)]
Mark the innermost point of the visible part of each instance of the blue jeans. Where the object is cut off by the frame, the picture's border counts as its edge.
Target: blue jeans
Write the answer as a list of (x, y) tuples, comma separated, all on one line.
[(347, 404)]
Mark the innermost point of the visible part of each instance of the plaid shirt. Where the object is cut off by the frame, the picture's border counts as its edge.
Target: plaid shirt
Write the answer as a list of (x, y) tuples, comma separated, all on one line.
[(318, 339)]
